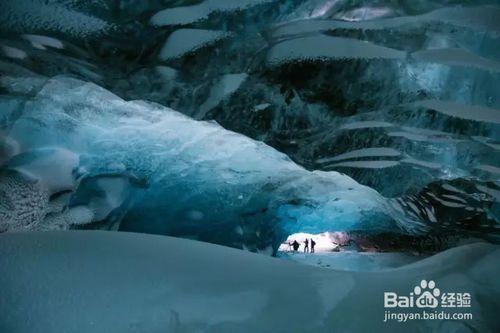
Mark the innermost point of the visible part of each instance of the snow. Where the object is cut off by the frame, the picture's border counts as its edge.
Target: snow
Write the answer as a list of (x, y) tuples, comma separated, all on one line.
[(40, 164), (121, 282), (185, 41), (352, 260)]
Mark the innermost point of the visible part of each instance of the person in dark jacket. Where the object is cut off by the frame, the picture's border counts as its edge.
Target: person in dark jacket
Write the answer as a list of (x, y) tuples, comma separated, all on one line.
[(313, 244), (306, 245), (295, 245)]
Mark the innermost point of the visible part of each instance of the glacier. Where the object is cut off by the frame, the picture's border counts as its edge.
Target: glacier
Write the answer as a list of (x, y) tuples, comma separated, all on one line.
[(146, 147), (399, 98), (142, 167)]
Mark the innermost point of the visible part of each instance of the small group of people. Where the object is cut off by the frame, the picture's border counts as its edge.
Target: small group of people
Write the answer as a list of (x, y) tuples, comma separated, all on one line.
[(295, 245)]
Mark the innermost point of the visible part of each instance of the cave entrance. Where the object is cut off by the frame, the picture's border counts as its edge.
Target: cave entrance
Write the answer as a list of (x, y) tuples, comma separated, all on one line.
[(325, 241), (346, 251)]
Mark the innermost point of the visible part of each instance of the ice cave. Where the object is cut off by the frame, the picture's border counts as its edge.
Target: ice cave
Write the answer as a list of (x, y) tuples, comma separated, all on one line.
[(249, 165)]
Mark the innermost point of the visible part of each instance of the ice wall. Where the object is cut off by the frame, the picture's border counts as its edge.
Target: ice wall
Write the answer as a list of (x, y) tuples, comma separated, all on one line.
[(399, 96), (148, 168)]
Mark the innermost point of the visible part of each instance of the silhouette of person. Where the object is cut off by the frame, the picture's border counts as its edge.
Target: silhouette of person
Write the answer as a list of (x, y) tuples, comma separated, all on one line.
[(295, 245), (313, 243), (306, 246)]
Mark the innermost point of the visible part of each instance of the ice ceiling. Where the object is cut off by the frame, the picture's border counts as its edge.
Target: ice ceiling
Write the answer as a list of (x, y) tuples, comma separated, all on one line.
[(371, 116)]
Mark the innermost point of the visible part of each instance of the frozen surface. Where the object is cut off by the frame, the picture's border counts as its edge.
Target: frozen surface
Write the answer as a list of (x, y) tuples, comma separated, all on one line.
[(367, 164), (457, 57), (470, 112), (367, 152), (201, 11), (88, 281), (42, 42), (185, 41), (13, 52), (325, 47), (400, 96), (161, 172), (352, 260), (477, 18), (227, 85), (36, 15)]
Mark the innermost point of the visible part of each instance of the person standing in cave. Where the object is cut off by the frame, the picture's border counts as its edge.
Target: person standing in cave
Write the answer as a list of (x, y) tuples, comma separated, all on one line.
[(306, 246), (313, 244), (295, 245)]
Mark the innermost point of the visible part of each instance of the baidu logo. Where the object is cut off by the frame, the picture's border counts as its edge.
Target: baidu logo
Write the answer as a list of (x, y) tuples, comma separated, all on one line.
[(422, 303), (426, 295)]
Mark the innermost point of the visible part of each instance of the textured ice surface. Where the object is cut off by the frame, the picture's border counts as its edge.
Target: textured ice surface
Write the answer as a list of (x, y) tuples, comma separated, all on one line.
[(23, 201), (478, 18), (191, 14), (175, 285), (37, 15), (324, 47), (185, 41), (227, 85), (41, 42), (40, 164), (400, 96), (368, 152), (353, 260), (469, 112), (197, 179), (457, 57), (13, 52)]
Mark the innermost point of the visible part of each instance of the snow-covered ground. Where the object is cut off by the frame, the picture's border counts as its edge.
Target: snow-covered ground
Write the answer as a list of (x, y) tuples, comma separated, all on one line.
[(329, 254), (90, 281), (352, 260)]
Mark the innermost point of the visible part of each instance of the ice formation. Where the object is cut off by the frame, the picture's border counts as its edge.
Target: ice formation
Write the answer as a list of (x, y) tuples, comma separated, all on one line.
[(477, 18), (185, 41), (399, 97), (201, 11), (53, 16), (324, 48), (165, 173)]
